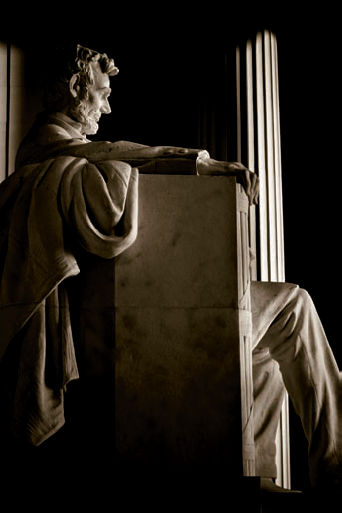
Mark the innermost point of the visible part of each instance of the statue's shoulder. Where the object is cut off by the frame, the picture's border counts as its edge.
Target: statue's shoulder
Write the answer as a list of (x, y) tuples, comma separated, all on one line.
[(55, 127), (45, 137), (46, 134)]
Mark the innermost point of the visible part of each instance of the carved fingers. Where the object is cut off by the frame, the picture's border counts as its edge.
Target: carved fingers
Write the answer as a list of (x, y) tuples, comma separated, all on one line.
[(252, 187), (248, 180), (244, 176)]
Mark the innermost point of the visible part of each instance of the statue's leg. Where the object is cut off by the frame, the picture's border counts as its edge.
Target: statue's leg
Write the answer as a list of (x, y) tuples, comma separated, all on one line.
[(296, 340), (268, 399)]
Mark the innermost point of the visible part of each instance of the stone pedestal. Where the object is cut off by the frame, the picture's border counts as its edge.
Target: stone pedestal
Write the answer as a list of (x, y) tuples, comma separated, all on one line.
[(165, 330), (182, 329)]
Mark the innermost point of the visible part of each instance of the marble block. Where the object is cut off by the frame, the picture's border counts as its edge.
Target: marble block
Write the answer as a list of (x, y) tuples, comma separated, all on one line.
[(163, 333), (182, 327), (185, 255), (177, 402)]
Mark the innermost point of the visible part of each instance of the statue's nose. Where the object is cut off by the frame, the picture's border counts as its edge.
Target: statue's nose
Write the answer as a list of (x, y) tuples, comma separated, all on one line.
[(106, 108)]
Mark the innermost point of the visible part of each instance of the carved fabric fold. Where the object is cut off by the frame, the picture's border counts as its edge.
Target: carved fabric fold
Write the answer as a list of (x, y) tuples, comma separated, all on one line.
[(44, 208)]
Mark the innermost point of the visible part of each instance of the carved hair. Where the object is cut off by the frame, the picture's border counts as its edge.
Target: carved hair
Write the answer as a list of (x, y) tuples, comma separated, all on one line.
[(68, 62)]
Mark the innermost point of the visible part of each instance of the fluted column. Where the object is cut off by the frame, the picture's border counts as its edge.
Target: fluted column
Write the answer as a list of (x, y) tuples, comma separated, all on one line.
[(18, 107), (258, 144), (3, 111)]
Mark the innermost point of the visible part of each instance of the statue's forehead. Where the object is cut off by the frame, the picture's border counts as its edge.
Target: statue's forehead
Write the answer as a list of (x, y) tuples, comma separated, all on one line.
[(101, 79)]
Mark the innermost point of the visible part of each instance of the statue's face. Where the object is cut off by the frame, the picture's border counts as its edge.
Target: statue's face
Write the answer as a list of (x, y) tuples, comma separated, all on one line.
[(97, 102)]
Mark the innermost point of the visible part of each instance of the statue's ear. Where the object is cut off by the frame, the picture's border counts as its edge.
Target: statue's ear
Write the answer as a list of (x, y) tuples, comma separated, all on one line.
[(74, 88)]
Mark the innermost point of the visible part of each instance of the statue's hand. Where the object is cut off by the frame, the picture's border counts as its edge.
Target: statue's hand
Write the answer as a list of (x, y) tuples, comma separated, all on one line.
[(248, 179)]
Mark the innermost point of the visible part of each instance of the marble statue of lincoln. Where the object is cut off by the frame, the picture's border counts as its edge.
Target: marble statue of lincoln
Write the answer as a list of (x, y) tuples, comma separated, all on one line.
[(92, 187)]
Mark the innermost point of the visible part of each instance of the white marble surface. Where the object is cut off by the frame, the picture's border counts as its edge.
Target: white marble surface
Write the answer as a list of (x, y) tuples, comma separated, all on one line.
[(177, 328), (185, 253)]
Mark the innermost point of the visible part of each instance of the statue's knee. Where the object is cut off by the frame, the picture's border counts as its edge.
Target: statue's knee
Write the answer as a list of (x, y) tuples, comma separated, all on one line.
[(304, 297), (303, 302)]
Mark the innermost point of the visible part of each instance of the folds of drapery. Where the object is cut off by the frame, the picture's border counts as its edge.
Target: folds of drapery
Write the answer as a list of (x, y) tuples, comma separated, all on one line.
[(44, 209)]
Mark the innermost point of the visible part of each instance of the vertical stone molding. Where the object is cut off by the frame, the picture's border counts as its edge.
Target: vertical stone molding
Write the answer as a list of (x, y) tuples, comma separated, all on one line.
[(258, 144)]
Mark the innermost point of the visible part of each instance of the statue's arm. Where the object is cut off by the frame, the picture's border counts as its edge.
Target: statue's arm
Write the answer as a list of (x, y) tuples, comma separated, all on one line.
[(151, 159), (130, 152), (148, 159)]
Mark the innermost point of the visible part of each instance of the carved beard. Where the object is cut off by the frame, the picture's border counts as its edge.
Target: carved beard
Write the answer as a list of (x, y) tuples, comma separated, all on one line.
[(90, 126), (88, 119)]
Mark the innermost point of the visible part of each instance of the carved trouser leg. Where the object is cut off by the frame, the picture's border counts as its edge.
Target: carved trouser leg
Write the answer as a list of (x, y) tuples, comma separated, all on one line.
[(269, 392), (291, 330)]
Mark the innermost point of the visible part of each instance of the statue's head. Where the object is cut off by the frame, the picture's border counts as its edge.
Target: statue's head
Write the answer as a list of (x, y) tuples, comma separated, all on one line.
[(78, 85)]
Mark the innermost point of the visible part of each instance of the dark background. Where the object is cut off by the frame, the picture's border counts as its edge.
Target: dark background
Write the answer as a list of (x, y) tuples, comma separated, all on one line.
[(166, 56), (310, 113)]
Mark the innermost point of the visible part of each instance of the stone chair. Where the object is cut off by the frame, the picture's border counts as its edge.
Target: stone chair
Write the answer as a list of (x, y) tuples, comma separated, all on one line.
[(166, 331)]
